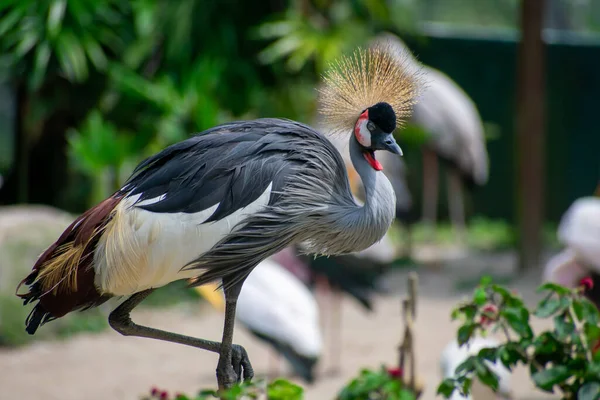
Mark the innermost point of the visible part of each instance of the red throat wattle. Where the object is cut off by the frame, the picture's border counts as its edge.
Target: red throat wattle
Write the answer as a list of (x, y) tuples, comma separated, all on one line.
[(373, 162), (369, 155)]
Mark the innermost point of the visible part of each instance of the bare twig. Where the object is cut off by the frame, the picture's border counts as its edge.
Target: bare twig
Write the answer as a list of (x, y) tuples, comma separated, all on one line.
[(406, 348)]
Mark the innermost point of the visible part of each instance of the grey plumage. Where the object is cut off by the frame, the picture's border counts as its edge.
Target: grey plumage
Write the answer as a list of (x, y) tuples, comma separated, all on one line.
[(311, 202)]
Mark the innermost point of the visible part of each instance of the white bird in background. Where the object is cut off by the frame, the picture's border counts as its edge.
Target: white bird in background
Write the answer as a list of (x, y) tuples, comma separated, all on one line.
[(280, 310), (579, 232), (449, 116), (453, 356), (331, 277)]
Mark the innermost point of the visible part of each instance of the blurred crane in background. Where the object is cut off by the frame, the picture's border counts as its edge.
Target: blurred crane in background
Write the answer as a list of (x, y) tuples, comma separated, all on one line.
[(456, 136), (356, 275)]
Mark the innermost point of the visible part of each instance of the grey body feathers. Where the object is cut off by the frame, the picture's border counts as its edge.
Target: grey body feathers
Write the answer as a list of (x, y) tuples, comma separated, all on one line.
[(234, 163)]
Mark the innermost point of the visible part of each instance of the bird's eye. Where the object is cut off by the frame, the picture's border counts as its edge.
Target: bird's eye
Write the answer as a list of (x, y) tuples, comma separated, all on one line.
[(370, 126)]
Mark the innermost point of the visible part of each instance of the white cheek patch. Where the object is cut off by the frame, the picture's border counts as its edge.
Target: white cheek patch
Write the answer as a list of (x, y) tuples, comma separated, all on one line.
[(362, 133)]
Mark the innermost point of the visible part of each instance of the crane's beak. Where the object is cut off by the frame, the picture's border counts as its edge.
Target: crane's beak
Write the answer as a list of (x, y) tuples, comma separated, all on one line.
[(389, 144)]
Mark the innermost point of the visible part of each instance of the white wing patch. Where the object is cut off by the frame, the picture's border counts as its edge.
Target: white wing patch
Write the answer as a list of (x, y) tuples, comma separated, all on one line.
[(141, 249)]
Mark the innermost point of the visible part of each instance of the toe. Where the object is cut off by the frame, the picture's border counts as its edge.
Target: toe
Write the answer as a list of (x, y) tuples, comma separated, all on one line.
[(236, 363), (226, 376), (245, 362)]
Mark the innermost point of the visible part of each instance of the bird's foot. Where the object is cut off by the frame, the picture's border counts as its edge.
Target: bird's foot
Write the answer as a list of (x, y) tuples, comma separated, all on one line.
[(238, 369)]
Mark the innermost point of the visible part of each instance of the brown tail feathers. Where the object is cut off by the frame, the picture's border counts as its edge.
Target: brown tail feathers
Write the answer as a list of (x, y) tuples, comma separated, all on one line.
[(62, 279)]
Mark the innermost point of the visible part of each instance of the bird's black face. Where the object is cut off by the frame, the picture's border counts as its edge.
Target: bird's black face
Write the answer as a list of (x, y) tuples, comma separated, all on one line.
[(374, 131)]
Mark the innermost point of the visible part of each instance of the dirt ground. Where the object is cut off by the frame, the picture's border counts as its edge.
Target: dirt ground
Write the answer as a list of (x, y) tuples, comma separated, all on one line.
[(109, 366)]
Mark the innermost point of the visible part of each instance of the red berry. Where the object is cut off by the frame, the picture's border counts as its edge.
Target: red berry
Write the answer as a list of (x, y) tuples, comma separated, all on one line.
[(154, 391), (395, 372), (490, 308), (489, 313), (587, 283), (164, 395)]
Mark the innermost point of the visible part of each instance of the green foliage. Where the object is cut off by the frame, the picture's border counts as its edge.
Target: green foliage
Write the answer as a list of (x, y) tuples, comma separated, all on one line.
[(279, 389), (136, 76), (368, 385), (378, 384), (179, 106), (40, 38), (99, 150), (565, 358), (321, 31), (482, 234)]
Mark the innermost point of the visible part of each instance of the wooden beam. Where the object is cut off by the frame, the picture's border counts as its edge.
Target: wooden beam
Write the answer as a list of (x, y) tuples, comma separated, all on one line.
[(530, 133)]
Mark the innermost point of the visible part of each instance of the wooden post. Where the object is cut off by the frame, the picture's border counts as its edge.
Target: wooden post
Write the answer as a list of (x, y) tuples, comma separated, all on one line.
[(530, 133), (406, 349)]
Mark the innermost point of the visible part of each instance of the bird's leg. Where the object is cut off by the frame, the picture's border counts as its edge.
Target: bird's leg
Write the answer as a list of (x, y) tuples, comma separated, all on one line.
[(456, 204), (120, 321), (229, 369), (430, 189)]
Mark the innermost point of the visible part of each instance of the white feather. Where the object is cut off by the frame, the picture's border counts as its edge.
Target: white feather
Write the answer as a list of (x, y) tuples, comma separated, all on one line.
[(149, 249), (563, 269), (453, 356), (275, 303), (579, 230)]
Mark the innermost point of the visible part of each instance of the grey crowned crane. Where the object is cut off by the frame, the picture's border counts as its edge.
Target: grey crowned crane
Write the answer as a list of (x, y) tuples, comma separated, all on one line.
[(212, 207), (456, 132)]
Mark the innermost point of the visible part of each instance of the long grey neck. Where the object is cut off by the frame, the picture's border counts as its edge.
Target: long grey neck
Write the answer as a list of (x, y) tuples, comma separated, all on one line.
[(376, 215)]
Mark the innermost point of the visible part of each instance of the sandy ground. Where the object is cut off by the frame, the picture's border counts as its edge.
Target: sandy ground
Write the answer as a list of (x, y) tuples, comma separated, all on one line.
[(109, 366)]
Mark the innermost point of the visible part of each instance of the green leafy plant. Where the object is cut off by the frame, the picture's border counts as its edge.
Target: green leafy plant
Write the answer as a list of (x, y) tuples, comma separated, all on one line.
[(279, 389), (384, 383), (319, 31), (99, 150), (60, 36), (563, 359), (180, 105)]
